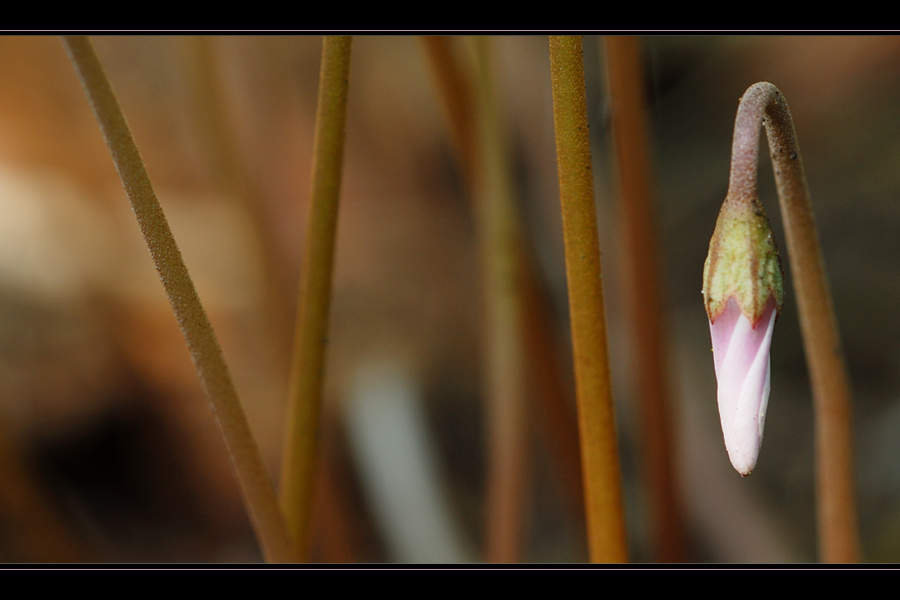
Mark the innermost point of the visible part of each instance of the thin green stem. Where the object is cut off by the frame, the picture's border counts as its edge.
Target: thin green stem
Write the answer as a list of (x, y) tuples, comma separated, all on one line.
[(630, 129), (764, 104), (605, 510), (256, 487), (308, 370)]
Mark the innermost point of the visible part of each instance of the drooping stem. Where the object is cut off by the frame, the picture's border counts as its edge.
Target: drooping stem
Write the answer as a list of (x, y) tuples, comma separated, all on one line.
[(605, 511), (630, 129), (256, 487), (308, 370), (764, 104)]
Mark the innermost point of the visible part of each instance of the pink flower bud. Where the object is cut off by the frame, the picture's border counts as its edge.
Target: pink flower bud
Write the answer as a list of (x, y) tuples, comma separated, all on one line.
[(741, 356), (743, 291)]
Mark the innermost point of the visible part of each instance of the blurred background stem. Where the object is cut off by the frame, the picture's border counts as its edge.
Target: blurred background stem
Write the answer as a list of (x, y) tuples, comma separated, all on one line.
[(455, 90), (33, 528), (500, 244), (308, 370), (644, 292), (605, 510), (222, 149), (550, 398)]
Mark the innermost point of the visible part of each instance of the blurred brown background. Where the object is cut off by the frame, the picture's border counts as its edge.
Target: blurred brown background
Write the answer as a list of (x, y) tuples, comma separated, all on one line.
[(109, 449)]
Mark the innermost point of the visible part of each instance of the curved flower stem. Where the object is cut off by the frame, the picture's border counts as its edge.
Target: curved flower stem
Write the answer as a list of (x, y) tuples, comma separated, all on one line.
[(256, 487), (605, 510), (308, 371), (764, 104)]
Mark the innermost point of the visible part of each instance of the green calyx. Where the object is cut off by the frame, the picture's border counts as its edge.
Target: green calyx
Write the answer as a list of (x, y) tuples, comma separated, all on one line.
[(743, 262)]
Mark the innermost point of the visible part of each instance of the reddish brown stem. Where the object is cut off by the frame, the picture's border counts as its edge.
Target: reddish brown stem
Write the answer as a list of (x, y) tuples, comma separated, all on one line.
[(456, 94), (630, 129), (546, 381), (504, 344)]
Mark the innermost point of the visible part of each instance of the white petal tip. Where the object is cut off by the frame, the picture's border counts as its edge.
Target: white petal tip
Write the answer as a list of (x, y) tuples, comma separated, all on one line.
[(743, 441), (741, 354), (745, 467)]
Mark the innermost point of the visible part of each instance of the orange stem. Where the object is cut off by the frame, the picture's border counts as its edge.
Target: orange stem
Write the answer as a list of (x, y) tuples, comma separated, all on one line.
[(605, 510)]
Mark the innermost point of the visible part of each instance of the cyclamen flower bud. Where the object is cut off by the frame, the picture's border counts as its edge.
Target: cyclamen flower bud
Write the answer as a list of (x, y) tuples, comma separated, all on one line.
[(743, 291)]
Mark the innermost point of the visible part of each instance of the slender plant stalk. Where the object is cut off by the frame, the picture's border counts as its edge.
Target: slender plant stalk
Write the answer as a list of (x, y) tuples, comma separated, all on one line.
[(764, 104), (607, 539), (256, 487), (500, 241), (305, 400), (629, 124)]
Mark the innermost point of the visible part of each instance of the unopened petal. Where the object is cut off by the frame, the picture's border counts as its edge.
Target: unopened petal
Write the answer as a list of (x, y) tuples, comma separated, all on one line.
[(741, 354)]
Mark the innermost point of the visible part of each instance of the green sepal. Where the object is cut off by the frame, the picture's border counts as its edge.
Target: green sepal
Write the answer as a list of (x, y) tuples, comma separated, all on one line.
[(743, 262)]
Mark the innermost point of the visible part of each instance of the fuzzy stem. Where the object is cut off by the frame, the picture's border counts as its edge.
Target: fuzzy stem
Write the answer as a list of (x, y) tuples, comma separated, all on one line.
[(630, 130), (305, 400), (605, 510), (764, 104), (256, 487)]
